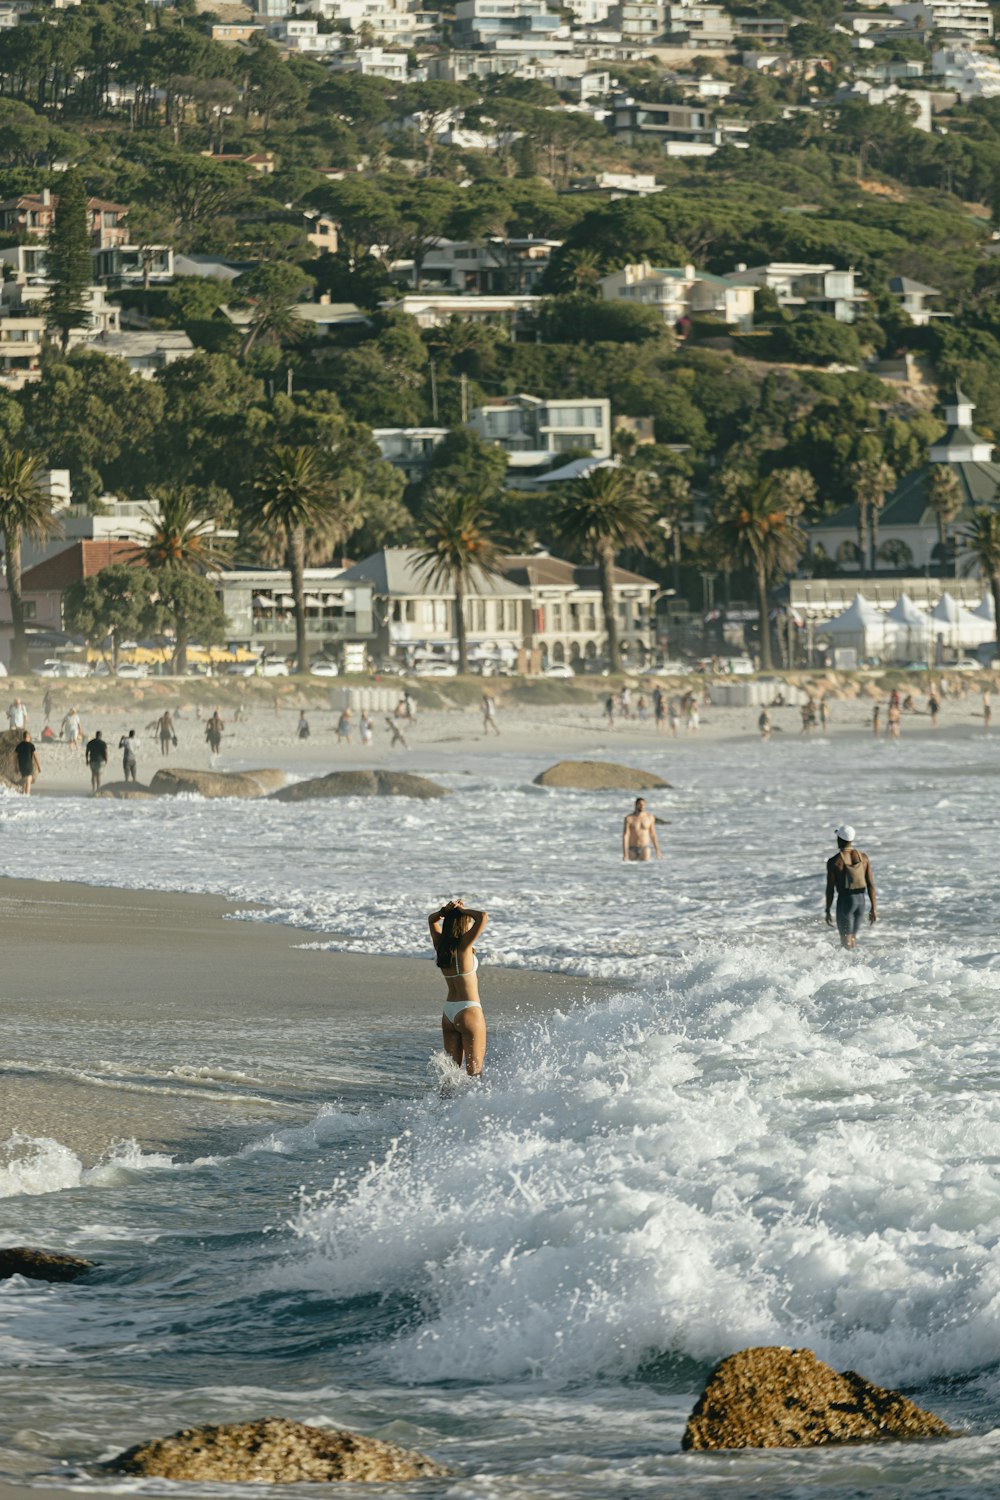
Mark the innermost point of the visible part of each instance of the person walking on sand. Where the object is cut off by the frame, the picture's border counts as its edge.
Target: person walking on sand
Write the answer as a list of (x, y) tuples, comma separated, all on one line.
[(490, 713), (609, 710), (165, 732), (764, 724), (824, 715), (987, 710), (454, 932), (849, 874), (71, 729), (366, 729), (47, 705), (639, 834), (28, 766), (398, 737), (302, 731), (96, 756), (17, 715), (877, 720), (409, 707), (674, 716), (345, 727), (213, 732), (127, 745), (933, 708), (659, 709)]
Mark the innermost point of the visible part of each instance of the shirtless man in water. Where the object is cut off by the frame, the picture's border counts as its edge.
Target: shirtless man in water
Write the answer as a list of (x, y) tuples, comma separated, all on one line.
[(639, 834)]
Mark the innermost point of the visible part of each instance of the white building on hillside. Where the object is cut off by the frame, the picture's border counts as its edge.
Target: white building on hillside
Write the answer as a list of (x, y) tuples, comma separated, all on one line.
[(799, 286), (532, 430), (972, 74), (970, 19), (680, 291)]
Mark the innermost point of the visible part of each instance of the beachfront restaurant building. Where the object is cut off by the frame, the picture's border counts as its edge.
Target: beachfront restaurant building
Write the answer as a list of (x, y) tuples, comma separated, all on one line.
[(536, 610), (260, 610)]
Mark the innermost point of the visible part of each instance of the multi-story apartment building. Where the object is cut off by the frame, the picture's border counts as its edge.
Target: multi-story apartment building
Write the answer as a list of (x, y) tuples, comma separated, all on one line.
[(491, 265), (972, 74), (970, 19), (20, 350), (483, 23), (681, 129), (533, 430)]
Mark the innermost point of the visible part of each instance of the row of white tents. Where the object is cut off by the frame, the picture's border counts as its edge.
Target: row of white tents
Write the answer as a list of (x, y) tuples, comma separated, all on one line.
[(906, 633)]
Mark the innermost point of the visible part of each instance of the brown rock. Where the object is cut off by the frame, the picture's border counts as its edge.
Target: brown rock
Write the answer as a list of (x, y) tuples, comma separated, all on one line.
[(361, 784), (126, 791), (273, 1451), (8, 764), (41, 1265), (599, 776), (171, 783), (787, 1398)]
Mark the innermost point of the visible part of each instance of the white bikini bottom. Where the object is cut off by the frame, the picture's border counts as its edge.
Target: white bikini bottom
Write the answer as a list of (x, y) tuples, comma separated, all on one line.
[(453, 1008)]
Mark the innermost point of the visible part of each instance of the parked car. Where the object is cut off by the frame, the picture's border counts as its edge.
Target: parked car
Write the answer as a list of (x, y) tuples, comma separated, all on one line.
[(275, 668), (132, 669), (324, 669), (668, 669), (53, 668), (964, 664), (559, 669), (434, 669)]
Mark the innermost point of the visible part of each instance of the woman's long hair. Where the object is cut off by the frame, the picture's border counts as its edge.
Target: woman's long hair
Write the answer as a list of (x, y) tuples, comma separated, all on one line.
[(454, 925)]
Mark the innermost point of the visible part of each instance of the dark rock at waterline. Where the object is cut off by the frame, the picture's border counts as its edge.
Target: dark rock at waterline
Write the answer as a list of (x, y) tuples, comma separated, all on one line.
[(599, 776), (127, 791), (787, 1398), (172, 783), (9, 774), (273, 1451), (41, 1265), (361, 784)]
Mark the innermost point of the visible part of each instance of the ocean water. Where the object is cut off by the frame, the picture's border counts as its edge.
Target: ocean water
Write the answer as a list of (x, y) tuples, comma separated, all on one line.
[(751, 1137)]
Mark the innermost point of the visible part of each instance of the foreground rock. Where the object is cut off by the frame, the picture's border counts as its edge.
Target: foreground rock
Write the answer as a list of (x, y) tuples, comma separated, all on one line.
[(172, 783), (787, 1398), (41, 1265), (126, 791), (599, 776), (9, 774), (273, 1451), (361, 784)]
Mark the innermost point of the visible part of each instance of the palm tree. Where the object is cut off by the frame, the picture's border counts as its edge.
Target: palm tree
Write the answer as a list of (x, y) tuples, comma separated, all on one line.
[(945, 496), (755, 528), (871, 482), (601, 513), (184, 538), (25, 511), (675, 501), (459, 547), (982, 541), (295, 494)]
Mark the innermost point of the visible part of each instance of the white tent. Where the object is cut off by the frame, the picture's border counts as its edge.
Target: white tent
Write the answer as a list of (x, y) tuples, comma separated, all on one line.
[(861, 626), (908, 630), (954, 625), (984, 609)]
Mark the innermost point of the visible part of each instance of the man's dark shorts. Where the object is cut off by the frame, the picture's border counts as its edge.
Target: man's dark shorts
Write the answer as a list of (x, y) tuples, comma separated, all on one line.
[(850, 911)]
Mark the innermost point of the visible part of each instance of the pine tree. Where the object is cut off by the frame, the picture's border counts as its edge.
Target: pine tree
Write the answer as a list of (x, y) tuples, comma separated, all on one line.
[(70, 265)]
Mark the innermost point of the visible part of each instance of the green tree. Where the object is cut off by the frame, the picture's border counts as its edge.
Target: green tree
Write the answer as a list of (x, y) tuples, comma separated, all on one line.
[(192, 606), (605, 511), (111, 605), (871, 480), (459, 547), (69, 259), (294, 494), (25, 511), (271, 291), (945, 495), (982, 541), (183, 539), (754, 528)]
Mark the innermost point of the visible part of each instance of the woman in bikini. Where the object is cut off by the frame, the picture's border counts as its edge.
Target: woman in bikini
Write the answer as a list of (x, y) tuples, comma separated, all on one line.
[(454, 931)]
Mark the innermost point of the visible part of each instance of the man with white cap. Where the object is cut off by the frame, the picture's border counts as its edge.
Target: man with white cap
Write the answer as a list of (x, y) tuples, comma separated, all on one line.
[(849, 874)]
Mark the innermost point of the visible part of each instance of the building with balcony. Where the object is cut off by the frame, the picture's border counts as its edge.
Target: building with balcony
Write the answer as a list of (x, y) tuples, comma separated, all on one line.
[(484, 23), (260, 609), (681, 129), (409, 448), (493, 265), (566, 614), (134, 265), (21, 298), (971, 20), (799, 286), (20, 351), (533, 430)]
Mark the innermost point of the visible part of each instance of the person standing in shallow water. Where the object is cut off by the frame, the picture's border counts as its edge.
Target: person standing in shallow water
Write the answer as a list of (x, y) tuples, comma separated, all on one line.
[(454, 931), (28, 767), (849, 875)]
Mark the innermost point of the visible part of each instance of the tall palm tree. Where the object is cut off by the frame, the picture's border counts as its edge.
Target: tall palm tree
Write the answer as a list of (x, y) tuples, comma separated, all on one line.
[(25, 512), (601, 513), (754, 528), (675, 502), (945, 495), (295, 494), (871, 481), (459, 546), (982, 542), (184, 538)]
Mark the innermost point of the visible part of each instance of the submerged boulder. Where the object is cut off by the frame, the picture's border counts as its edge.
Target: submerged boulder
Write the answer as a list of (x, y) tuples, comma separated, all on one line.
[(172, 783), (787, 1398), (126, 791), (273, 1451), (599, 776), (41, 1265), (361, 784)]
